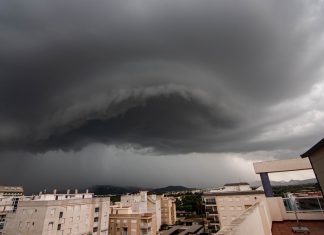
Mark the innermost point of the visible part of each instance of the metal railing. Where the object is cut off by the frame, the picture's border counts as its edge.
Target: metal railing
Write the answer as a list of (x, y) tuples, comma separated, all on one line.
[(304, 204)]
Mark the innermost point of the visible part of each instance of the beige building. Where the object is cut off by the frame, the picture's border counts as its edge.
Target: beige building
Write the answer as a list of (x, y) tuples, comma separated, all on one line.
[(123, 221), (230, 202), (168, 210), (58, 214), (143, 203)]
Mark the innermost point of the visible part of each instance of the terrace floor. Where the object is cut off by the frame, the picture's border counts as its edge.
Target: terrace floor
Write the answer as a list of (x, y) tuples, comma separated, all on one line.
[(284, 228)]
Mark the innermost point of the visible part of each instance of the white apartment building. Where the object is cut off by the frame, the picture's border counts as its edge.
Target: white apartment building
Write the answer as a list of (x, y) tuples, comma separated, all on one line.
[(228, 203), (143, 203), (58, 214)]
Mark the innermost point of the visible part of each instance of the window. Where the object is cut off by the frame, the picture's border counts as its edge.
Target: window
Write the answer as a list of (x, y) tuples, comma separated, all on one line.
[(59, 227), (61, 215), (50, 225), (95, 229), (96, 219), (247, 206), (97, 209), (52, 212)]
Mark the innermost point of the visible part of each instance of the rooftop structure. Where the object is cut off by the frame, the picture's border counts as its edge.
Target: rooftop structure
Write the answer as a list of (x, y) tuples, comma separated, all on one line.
[(11, 191), (316, 156)]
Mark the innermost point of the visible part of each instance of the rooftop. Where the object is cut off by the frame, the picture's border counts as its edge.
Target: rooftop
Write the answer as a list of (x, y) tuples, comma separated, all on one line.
[(229, 193), (284, 228), (5, 189), (313, 149)]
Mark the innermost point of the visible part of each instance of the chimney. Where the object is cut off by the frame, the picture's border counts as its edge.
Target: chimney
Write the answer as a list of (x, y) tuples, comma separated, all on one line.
[(54, 191), (76, 191), (68, 191), (87, 191)]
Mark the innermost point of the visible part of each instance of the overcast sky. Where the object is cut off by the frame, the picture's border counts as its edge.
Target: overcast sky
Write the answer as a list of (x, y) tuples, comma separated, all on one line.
[(155, 93)]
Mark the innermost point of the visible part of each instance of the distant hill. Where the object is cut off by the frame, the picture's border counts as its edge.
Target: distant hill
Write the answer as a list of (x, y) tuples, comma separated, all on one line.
[(118, 190), (114, 190), (282, 183), (171, 189)]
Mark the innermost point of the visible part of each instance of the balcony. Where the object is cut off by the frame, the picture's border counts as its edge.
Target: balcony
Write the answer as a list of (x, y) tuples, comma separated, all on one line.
[(146, 225), (210, 202)]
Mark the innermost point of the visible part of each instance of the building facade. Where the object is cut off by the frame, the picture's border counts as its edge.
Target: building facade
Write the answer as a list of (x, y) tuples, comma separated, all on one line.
[(168, 210), (227, 204), (9, 197), (143, 203), (123, 221), (58, 214)]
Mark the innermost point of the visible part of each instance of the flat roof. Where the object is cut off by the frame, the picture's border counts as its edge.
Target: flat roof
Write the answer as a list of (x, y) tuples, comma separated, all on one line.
[(9, 189), (313, 149), (229, 193), (315, 227)]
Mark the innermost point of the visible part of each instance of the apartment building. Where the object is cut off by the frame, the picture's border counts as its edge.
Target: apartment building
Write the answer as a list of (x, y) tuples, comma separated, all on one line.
[(58, 214), (123, 221), (143, 203), (168, 210), (225, 205), (9, 197)]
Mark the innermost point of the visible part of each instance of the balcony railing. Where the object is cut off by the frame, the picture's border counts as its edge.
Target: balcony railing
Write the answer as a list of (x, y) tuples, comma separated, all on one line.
[(145, 226), (304, 204)]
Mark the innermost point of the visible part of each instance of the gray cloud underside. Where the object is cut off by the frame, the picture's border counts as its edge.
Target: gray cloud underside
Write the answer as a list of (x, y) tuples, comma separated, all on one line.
[(177, 76)]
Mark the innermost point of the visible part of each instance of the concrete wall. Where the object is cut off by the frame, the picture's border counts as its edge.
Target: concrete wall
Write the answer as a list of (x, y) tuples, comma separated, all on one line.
[(230, 207), (317, 160), (254, 221), (282, 165)]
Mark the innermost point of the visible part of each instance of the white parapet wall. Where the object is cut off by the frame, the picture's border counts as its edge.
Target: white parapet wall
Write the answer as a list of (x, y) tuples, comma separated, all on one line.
[(254, 221)]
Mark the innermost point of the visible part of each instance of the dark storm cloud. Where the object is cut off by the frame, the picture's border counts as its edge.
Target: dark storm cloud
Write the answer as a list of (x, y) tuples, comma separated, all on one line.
[(178, 76)]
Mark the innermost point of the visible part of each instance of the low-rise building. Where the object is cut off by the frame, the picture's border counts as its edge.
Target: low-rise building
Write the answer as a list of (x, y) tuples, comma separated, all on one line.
[(168, 210), (123, 221), (59, 214)]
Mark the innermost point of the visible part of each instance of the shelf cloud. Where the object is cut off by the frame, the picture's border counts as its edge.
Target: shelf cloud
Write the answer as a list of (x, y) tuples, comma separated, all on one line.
[(178, 77)]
